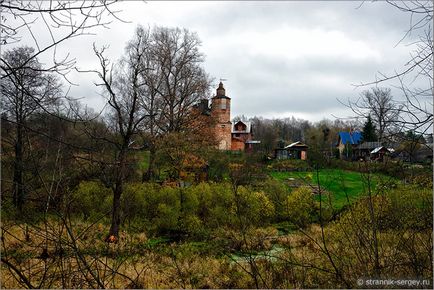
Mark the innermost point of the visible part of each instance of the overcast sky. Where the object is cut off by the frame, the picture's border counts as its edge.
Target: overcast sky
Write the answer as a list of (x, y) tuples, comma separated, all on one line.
[(280, 59)]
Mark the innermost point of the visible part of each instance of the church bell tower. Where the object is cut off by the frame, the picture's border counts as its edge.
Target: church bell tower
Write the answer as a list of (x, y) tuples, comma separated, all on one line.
[(221, 112)]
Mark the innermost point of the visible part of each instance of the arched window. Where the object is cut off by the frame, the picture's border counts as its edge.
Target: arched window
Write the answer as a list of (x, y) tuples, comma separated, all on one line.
[(223, 104)]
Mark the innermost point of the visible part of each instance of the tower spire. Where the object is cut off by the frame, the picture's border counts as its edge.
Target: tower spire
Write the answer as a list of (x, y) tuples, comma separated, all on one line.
[(221, 90)]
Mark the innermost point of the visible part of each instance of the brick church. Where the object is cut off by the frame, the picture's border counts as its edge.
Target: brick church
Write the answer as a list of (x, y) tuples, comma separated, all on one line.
[(236, 136)]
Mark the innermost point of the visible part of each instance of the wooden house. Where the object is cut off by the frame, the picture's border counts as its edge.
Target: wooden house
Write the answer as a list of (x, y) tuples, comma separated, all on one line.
[(296, 150), (363, 150), (379, 153), (242, 137)]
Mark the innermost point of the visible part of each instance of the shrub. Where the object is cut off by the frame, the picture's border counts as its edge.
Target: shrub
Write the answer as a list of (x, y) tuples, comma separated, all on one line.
[(168, 207), (410, 207), (277, 193), (133, 200), (251, 207), (402, 222), (218, 166), (300, 205), (222, 200), (91, 198), (290, 165), (250, 239), (203, 199)]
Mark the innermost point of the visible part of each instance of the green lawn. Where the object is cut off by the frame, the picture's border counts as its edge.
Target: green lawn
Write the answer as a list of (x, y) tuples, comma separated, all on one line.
[(343, 185)]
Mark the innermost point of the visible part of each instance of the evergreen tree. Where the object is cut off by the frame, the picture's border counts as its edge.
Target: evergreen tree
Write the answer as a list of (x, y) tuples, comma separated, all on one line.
[(368, 133)]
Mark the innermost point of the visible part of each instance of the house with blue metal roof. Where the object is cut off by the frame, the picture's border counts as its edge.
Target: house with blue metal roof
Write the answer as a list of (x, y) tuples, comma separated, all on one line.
[(347, 140)]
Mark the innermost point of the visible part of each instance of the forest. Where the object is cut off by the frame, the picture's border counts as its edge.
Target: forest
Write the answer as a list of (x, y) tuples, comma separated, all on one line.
[(138, 195)]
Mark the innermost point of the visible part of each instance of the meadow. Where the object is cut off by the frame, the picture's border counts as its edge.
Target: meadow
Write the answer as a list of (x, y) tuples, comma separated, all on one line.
[(344, 186), (254, 228)]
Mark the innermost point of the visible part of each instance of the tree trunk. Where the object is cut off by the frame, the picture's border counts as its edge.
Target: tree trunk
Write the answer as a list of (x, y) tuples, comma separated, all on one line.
[(18, 192), (116, 215), (113, 235), (150, 173)]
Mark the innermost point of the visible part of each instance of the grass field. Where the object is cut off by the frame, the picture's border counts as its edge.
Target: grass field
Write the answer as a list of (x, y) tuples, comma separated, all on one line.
[(345, 186)]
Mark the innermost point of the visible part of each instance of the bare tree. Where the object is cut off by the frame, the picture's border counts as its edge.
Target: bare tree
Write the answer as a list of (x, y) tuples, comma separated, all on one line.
[(377, 103), (184, 81), (60, 20), (24, 91), (415, 78), (150, 93), (122, 86), (173, 82), (47, 24)]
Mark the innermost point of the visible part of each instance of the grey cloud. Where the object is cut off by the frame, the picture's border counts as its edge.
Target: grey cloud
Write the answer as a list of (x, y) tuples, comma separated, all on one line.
[(267, 83), (264, 83)]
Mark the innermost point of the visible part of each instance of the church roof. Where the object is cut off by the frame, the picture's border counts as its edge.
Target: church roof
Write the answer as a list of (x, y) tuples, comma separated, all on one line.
[(221, 92)]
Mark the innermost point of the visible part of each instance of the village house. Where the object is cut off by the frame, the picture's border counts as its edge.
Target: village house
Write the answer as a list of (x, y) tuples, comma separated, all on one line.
[(296, 150), (379, 153), (363, 150), (347, 142), (242, 136), (352, 147)]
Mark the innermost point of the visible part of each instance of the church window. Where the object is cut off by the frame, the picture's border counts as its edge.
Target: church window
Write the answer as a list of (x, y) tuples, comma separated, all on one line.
[(223, 104)]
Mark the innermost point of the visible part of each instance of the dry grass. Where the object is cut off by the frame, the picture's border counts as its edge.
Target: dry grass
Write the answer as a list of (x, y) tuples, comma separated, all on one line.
[(82, 259)]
